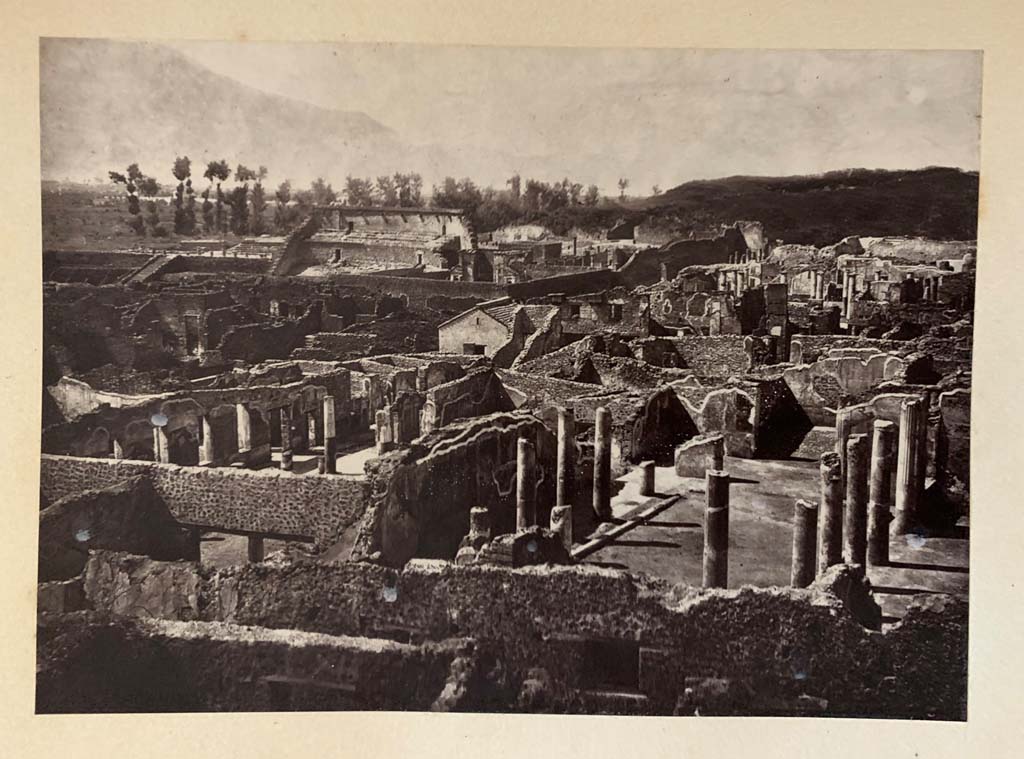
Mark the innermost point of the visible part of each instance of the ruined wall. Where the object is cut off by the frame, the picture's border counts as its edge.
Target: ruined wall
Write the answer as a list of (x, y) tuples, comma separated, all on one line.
[(819, 387), (254, 343), (764, 651), (337, 346), (591, 281), (813, 347), (420, 497), (730, 410), (645, 266), (102, 663), (268, 501), (432, 294), (713, 356), (478, 393), (124, 516)]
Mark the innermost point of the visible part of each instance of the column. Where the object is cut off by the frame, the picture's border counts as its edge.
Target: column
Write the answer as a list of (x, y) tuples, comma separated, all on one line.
[(805, 535), (565, 484), (161, 446), (911, 416), (603, 464), (561, 523), (855, 517), (880, 502), (647, 478), (286, 438), (244, 427), (830, 532), (851, 294), (209, 450), (716, 531), (718, 453), (118, 450), (526, 484), (330, 437), (382, 420), (255, 548)]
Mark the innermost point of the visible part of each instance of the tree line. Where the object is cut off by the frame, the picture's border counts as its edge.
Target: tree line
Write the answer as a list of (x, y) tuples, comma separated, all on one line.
[(242, 209)]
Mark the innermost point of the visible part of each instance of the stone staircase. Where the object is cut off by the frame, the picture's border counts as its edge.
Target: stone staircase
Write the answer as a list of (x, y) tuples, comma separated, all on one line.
[(151, 268)]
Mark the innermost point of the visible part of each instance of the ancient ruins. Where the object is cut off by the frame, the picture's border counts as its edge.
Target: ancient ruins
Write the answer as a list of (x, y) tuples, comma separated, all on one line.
[(389, 462)]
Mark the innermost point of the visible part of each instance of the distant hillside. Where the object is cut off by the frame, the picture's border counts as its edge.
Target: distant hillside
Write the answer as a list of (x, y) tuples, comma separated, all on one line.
[(105, 104), (938, 203)]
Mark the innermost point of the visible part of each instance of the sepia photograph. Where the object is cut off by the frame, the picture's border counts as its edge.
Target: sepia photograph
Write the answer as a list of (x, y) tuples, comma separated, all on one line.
[(490, 379)]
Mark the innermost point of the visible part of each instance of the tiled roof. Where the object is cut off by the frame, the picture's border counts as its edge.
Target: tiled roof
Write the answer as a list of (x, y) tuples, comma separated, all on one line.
[(505, 314)]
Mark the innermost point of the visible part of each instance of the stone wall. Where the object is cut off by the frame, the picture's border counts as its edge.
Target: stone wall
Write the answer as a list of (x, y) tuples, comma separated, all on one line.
[(267, 502), (478, 393), (420, 497), (99, 663), (584, 636), (124, 516), (820, 387), (712, 356), (813, 347)]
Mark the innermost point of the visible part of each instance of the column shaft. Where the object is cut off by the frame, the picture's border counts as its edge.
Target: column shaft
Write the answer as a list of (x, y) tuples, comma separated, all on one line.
[(526, 484), (830, 532), (880, 501), (565, 484), (855, 517), (716, 531), (603, 465), (805, 535)]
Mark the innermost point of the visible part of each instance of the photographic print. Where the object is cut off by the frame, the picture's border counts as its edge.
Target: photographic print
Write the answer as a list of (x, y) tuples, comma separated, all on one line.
[(493, 379)]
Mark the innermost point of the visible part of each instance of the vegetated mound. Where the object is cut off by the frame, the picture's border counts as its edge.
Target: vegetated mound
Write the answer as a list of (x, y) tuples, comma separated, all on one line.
[(937, 203)]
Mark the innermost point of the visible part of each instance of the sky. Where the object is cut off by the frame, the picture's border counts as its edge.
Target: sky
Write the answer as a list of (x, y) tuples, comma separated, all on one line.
[(665, 116)]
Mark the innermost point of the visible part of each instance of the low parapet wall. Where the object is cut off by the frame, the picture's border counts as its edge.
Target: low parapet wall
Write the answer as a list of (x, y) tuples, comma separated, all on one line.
[(264, 502)]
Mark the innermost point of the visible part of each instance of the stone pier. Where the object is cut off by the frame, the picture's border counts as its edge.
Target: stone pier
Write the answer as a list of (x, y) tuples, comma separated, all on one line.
[(526, 484), (565, 484), (805, 536), (855, 517), (603, 464), (830, 531), (879, 498), (716, 531)]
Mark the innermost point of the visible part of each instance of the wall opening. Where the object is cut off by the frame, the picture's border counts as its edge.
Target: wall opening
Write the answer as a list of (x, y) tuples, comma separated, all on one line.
[(611, 665), (473, 349)]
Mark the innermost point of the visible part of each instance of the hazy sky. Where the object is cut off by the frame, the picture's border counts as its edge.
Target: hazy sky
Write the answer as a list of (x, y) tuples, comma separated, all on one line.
[(670, 115)]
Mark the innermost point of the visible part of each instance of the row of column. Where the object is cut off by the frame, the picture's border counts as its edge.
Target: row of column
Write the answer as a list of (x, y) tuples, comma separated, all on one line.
[(930, 289), (565, 485), (851, 521), (735, 281), (326, 463)]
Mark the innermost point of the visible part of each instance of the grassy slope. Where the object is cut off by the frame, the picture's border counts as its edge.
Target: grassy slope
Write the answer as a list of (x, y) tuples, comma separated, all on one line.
[(939, 203)]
